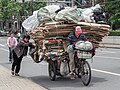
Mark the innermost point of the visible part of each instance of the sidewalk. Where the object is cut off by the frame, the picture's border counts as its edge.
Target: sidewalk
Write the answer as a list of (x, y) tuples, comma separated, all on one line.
[(9, 82)]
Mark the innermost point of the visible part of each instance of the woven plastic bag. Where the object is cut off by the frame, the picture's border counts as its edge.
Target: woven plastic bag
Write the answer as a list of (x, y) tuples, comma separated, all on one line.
[(68, 14), (47, 13)]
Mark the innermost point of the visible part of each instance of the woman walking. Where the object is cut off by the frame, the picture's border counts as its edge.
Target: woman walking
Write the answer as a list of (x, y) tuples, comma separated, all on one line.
[(18, 53)]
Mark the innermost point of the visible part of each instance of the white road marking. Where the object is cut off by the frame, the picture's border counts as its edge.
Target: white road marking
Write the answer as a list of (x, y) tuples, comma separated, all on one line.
[(2, 45), (106, 72)]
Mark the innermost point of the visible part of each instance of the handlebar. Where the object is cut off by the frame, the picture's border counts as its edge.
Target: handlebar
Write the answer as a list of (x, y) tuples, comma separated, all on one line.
[(82, 50)]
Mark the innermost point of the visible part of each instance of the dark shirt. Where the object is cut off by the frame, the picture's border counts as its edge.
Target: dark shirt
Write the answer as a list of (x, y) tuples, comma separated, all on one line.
[(72, 39), (22, 48)]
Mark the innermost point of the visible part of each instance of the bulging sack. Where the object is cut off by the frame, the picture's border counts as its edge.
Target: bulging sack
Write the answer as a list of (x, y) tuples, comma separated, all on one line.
[(47, 13), (84, 45), (64, 70)]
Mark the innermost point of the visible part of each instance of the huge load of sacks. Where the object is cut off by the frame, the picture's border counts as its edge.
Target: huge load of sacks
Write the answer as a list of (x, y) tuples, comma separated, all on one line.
[(53, 20)]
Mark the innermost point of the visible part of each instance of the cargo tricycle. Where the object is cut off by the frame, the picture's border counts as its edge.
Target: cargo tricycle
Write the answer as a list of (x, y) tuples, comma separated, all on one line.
[(58, 60)]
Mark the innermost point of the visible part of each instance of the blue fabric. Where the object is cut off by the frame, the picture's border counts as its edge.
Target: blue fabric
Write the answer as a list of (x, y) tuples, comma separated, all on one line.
[(52, 55)]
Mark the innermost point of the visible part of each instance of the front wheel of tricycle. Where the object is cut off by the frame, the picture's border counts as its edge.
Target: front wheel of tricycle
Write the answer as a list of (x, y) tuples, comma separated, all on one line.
[(85, 72), (52, 70)]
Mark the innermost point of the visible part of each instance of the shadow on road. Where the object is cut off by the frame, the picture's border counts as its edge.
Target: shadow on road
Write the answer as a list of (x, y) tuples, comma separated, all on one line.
[(64, 82)]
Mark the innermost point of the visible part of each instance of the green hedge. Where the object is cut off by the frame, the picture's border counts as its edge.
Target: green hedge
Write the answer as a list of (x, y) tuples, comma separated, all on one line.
[(114, 33)]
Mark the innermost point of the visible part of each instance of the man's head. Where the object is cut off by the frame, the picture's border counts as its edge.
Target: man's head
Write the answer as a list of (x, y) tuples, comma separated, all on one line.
[(78, 31)]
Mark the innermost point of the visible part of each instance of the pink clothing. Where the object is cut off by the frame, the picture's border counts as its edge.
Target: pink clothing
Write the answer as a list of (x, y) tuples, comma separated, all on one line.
[(11, 41)]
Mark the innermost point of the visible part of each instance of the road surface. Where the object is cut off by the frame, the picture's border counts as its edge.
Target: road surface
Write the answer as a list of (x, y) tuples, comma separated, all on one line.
[(105, 71)]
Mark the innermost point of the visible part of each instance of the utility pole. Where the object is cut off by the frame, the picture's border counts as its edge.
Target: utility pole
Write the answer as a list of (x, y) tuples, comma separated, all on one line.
[(31, 7), (72, 3), (93, 2)]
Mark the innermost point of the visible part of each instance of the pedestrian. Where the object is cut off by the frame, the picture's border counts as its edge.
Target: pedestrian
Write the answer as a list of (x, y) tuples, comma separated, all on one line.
[(11, 43), (18, 53)]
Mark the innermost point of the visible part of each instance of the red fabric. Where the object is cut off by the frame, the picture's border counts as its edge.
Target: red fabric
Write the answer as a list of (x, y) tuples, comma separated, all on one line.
[(52, 41)]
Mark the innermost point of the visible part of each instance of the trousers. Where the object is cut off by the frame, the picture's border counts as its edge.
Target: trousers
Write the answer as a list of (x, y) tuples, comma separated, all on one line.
[(72, 62), (16, 62), (10, 53)]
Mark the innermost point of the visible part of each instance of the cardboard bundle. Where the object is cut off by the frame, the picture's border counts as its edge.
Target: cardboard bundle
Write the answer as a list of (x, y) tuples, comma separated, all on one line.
[(94, 32)]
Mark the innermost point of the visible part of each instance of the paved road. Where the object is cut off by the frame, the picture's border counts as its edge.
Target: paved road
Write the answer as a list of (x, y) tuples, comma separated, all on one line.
[(105, 71)]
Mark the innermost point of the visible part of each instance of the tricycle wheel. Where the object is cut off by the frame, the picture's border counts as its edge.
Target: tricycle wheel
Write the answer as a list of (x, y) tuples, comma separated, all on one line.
[(84, 72), (52, 70)]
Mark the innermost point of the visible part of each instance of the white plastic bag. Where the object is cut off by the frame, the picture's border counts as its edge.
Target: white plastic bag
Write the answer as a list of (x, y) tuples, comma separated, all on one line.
[(87, 13), (31, 22), (64, 68)]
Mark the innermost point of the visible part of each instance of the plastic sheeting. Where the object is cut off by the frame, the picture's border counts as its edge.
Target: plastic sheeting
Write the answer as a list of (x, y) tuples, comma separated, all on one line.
[(87, 13), (68, 14), (47, 14), (53, 13), (31, 22)]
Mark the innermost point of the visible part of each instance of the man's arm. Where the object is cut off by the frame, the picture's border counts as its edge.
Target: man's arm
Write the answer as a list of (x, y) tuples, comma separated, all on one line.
[(83, 37), (69, 39)]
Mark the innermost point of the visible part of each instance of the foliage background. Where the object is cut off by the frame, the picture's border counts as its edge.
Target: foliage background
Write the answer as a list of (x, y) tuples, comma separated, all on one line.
[(112, 9), (10, 8), (114, 33)]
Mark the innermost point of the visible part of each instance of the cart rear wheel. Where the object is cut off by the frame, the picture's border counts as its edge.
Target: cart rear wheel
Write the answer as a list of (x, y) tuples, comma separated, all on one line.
[(52, 70)]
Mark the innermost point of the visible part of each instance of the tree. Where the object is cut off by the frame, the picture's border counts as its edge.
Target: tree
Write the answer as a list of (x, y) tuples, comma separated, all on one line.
[(1, 14), (9, 9), (113, 12), (38, 5)]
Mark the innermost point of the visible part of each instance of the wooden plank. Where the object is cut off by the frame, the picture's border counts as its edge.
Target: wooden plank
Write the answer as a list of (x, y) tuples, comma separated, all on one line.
[(94, 25)]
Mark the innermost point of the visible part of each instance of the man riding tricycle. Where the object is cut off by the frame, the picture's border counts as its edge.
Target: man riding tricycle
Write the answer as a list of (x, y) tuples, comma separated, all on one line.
[(67, 56)]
